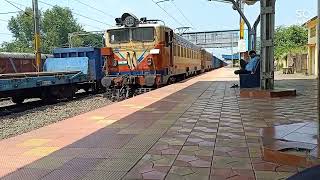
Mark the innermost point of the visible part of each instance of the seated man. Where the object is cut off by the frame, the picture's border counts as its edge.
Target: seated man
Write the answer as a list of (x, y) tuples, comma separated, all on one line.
[(248, 67)]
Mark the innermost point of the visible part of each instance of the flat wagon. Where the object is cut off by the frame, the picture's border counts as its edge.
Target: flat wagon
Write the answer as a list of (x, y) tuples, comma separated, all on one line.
[(63, 75)]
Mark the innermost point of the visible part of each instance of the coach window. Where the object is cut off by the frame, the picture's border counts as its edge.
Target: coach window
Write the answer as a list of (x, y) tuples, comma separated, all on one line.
[(166, 37), (187, 52), (175, 50)]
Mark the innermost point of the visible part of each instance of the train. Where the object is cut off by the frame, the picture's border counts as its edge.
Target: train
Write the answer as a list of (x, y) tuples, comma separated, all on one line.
[(63, 74), (139, 55), (144, 54)]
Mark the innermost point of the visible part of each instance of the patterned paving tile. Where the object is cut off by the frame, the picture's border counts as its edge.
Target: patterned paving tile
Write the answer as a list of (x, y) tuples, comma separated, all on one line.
[(193, 161), (27, 174), (41, 151), (197, 151), (49, 163), (232, 152), (146, 170), (159, 160), (261, 165), (115, 165), (164, 149), (271, 175), (231, 143), (232, 174), (203, 131), (70, 174), (188, 173), (103, 175), (231, 162), (34, 142)]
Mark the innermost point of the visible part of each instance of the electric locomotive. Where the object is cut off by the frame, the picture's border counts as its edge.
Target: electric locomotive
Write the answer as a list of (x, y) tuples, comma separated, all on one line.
[(142, 54)]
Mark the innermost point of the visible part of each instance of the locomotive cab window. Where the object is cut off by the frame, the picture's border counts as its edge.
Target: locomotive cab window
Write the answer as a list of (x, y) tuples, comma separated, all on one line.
[(143, 34), (119, 35)]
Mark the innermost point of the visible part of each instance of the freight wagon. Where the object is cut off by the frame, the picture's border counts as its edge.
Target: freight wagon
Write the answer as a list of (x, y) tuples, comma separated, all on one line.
[(18, 62), (63, 75)]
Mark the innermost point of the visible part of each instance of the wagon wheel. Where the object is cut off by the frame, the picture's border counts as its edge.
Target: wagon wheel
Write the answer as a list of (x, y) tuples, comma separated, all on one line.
[(171, 80), (17, 99)]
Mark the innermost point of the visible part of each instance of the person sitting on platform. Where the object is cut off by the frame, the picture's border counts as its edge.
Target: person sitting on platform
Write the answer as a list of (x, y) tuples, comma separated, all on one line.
[(248, 67)]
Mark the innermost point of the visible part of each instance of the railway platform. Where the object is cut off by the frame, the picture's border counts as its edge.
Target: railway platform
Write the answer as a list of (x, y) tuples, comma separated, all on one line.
[(196, 129)]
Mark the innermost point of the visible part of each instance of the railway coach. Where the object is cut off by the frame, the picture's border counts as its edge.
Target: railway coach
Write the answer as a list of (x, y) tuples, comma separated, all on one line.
[(144, 54)]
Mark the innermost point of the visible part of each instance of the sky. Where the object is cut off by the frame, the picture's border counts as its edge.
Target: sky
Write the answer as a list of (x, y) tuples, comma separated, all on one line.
[(201, 15)]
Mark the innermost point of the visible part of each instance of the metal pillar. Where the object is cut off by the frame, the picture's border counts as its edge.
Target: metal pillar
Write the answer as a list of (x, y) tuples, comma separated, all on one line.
[(251, 32), (318, 50), (267, 43), (232, 51), (255, 26), (37, 33), (241, 20), (238, 8)]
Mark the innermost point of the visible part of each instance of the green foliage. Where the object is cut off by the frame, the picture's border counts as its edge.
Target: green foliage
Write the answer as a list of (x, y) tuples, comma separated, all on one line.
[(21, 27), (56, 23), (87, 40), (292, 39)]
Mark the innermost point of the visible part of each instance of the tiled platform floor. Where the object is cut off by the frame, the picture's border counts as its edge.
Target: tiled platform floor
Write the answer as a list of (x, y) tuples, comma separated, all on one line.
[(198, 129)]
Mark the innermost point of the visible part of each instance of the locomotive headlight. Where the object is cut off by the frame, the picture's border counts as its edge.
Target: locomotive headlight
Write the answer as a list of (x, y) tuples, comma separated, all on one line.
[(150, 61), (155, 51), (114, 63)]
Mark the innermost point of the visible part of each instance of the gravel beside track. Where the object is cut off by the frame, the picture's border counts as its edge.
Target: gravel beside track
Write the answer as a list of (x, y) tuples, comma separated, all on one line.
[(34, 118)]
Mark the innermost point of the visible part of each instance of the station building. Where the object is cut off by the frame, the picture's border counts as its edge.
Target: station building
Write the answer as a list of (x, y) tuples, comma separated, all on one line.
[(312, 63)]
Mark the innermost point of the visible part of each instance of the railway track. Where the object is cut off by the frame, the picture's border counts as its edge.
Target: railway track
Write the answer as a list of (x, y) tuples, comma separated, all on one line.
[(4, 99), (11, 108)]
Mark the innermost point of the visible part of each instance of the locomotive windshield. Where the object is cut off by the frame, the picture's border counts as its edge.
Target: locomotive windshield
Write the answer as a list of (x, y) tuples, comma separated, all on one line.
[(143, 34), (119, 35)]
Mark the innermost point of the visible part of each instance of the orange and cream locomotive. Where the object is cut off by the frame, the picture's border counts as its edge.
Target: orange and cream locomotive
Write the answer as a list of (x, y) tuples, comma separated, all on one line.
[(142, 54)]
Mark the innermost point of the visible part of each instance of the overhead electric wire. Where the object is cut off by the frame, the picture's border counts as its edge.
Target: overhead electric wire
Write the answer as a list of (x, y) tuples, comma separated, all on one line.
[(8, 34), (91, 19), (13, 4), (94, 8), (12, 12), (184, 16), (79, 14), (4, 20), (168, 13), (98, 28)]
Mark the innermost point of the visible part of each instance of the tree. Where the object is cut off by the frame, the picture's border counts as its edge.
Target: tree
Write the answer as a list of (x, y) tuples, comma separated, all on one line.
[(290, 39), (56, 24), (85, 39), (21, 27)]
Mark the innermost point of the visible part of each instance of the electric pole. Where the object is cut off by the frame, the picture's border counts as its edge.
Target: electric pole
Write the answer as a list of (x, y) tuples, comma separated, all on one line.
[(37, 33)]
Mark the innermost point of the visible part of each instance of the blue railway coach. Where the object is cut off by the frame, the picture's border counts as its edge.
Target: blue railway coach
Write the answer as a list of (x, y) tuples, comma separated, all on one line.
[(217, 63)]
